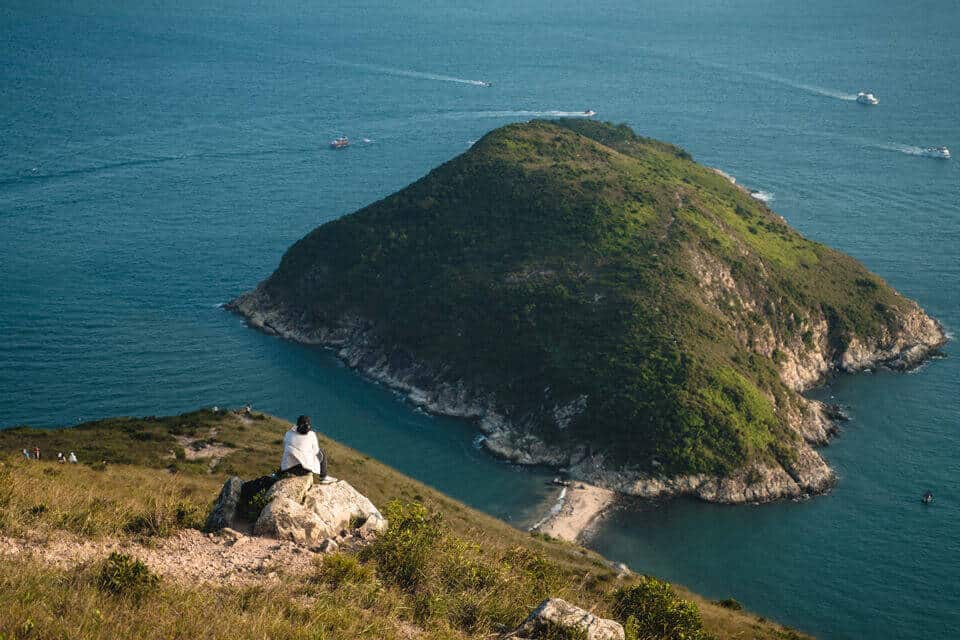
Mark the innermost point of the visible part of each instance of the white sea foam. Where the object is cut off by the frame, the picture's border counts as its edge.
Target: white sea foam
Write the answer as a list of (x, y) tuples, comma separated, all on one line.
[(762, 196), (554, 510), (478, 441)]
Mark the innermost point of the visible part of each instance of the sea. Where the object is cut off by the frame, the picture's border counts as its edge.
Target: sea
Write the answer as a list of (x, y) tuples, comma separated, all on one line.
[(157, 158)]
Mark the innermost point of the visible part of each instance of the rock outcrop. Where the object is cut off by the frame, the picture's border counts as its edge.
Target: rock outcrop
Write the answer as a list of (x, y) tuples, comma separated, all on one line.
[(316, 515), (225, 508), (555, 614), (307, 513)]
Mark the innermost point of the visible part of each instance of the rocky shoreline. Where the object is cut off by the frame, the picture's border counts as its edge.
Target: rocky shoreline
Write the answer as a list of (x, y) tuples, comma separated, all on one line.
[(354, 340)]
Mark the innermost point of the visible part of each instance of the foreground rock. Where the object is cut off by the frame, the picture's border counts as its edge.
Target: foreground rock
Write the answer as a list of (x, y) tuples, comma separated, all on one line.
[(316, 515), (555, 614)]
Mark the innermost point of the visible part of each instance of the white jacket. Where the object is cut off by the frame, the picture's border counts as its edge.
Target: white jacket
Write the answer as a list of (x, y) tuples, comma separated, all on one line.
[(301, 449)]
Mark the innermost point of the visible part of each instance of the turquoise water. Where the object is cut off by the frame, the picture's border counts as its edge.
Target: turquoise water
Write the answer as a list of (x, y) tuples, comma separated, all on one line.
[(155, 163)]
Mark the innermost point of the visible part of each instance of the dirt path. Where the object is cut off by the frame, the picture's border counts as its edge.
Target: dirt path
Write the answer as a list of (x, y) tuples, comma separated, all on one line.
[(189, 556)]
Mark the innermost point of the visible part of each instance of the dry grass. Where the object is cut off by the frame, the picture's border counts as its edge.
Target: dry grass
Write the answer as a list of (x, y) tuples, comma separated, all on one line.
[(475, 582)]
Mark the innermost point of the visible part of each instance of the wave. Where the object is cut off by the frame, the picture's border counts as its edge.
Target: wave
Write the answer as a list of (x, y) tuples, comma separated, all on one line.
[(762, 196), (554, 510), (478, 441), (411, 73)]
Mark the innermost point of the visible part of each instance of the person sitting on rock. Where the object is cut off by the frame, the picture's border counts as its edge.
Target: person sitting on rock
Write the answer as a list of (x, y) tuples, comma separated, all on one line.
[(302, 453)]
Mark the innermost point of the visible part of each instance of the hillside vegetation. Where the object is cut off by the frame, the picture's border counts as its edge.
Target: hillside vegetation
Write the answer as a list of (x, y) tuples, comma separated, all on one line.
[(573, 264), (442, 570)]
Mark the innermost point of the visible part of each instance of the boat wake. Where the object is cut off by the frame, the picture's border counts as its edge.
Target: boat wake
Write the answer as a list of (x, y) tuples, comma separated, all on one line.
[(420, 75), (911, 150), (810, 88), (522, 114)]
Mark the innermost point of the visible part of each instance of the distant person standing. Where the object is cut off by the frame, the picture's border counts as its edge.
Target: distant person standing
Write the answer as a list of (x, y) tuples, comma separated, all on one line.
[(302, 453), (36, 453), (60, 458), (72, 458), (26, 454)]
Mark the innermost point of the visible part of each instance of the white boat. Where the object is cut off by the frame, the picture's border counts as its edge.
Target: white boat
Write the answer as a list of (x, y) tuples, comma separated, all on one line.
[(865, 97), (340, 142), (589, 113), (937, 152)]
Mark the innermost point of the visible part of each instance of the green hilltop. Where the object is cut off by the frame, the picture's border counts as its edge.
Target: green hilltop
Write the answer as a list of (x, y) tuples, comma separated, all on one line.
[(557, 261)]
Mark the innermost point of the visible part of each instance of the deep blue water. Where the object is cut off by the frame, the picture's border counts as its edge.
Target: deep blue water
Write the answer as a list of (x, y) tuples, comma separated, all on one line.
[(156, 161)]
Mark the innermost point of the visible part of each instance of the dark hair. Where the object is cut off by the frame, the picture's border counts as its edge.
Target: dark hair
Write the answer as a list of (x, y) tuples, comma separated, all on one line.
[(303, 425)]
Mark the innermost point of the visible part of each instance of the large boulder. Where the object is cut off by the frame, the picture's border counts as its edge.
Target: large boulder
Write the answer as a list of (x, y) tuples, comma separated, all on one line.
[(555, 615), (225, 508), (308, 513)]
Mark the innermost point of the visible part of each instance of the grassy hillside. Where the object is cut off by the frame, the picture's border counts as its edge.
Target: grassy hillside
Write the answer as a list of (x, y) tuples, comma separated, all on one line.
[(442, 571), (556, 260)]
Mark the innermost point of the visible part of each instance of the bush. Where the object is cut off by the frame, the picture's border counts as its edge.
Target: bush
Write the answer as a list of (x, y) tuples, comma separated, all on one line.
[(339, 569), (124, 575), (651, 610), (729, 603), (402, 552)]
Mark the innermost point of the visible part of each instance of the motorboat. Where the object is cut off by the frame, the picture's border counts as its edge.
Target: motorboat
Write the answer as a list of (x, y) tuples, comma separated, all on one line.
[(589, 113), (865, 97), (937, 152), (340, 142), (484, 83)]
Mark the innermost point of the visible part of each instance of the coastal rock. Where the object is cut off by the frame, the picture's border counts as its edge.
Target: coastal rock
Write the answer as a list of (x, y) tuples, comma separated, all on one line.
[(299, 510), (556, 613), (225, 507)]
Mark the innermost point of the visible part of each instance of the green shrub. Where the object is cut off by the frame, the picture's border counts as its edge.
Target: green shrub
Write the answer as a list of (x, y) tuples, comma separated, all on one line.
[(124, 575), (652, 610), (402, 552), (340, 568), (553, 631)]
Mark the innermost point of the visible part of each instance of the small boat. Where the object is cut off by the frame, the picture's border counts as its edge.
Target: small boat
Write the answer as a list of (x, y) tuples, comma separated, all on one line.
[(484, 83), (865, 97), (589, 113), (937, 152), (927, 497), (340, 142)]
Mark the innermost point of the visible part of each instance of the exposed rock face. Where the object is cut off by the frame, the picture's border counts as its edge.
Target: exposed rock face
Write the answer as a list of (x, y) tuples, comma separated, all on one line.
[(225, 508), (299, 510), (356, 343), (556, 613)]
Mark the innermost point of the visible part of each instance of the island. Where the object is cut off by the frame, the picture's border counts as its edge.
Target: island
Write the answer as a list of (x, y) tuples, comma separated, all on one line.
[(598, 302)]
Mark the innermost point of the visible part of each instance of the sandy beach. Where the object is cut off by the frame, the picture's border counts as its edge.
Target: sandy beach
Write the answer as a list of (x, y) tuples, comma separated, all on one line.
[(578, 508)]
